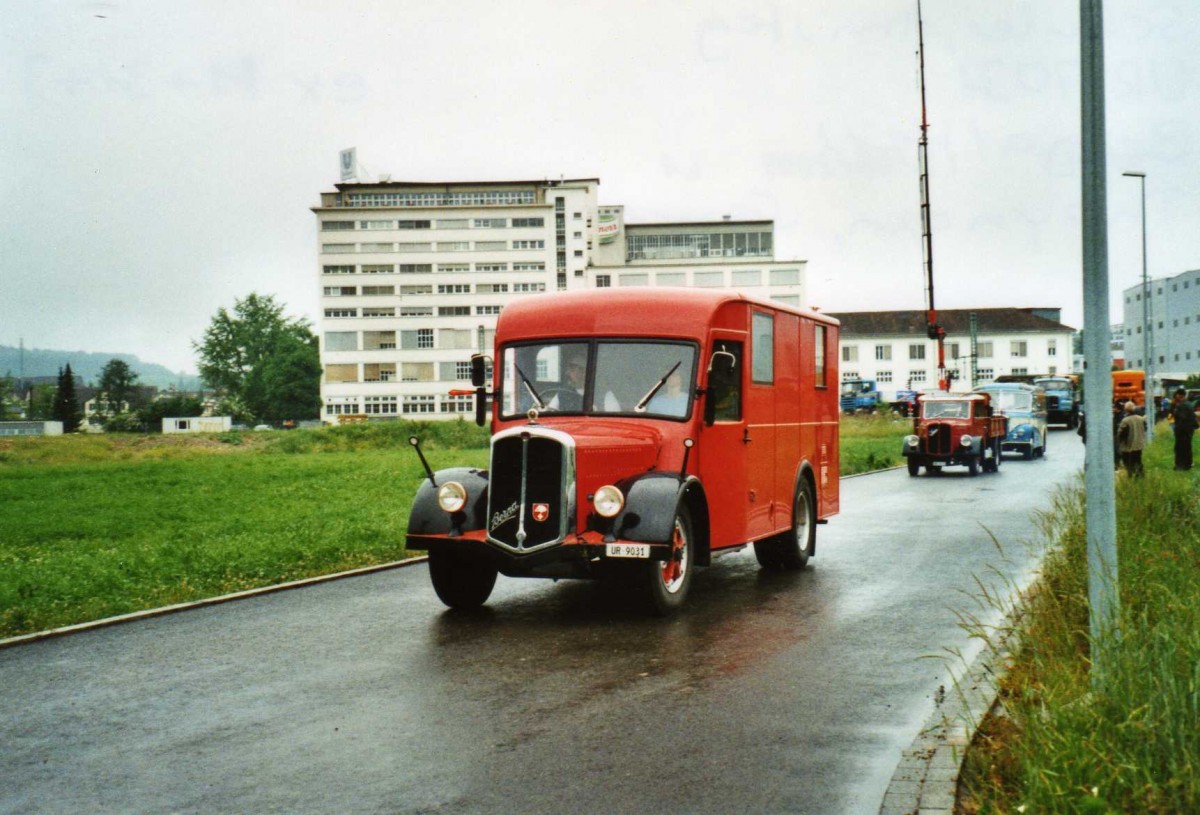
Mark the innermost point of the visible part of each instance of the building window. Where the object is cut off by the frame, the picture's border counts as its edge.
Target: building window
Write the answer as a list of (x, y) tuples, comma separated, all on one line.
[(578, 253), (414, 224), (416, 290), (491, 288), (414, 247), (341, 312), (379, 405), (490, 246), (381, 311), (338, 248), (379, 371), (1051, 348), (491, 267), (341, 340), (849, 353), (530, 287), (847, 375), (985, 374), (452, 223), (883, 353), (416, 311), (376, 268), (340, 408), (528, 244), (603, 281), (379, 340), (487, 310), (526, 222), (491, 223), (454, 288), (341, 373), (340, 291), (417, 268), (785, 277), (453, 267), (417, 339), (883, 377), (454, 311), (1020, 371), (529, 267), (953, 350), (916, 351), (984, 350), (454, 246), (336, 226), (709, 279), (916, 376), (378, 290), (1018, 348), (458, 404), (338, 270)]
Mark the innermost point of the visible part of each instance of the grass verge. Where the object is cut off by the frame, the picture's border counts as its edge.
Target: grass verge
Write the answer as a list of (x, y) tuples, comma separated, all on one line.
[(96, 526), (1061, 743)]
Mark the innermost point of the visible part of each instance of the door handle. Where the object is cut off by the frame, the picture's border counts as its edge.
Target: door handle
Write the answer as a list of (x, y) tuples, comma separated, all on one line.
[(746, 436)]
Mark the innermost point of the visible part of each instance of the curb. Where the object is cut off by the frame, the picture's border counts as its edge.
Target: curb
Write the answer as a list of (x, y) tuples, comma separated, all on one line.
[(78, 628), (926, 779)]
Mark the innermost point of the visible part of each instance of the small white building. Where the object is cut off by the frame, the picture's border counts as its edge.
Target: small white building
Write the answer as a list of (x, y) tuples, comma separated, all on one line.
[(32, 427), (894, 349), (197, 424)]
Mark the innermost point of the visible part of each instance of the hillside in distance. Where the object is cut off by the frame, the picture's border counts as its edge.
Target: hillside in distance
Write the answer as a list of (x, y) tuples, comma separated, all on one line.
[(87, 366)]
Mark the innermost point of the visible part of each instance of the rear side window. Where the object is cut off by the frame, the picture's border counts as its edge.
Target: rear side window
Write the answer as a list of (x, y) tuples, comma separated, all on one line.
[(762, 364)]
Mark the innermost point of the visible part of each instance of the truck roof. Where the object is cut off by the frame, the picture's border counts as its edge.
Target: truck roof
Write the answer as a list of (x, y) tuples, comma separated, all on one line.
[(636, 311)]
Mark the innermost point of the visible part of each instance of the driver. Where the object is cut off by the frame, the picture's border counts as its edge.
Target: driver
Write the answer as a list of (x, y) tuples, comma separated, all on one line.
[(570, 397)]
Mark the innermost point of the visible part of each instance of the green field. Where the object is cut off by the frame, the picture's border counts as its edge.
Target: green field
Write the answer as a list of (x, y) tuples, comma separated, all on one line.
[(95, 526)]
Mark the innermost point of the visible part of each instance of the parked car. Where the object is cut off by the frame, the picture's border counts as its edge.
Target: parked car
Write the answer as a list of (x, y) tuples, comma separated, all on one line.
[(1025, 408)]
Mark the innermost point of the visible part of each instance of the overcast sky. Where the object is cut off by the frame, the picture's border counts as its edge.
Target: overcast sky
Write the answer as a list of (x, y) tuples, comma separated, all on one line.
[(158, 159)]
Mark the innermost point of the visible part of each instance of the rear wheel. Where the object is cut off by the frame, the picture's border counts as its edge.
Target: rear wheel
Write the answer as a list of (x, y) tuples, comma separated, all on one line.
[(460, 580), (791, 550), (666, 583)]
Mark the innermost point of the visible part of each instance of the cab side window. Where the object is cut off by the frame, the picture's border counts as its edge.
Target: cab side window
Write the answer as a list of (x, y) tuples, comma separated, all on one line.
[(725, 381), (763, 327)]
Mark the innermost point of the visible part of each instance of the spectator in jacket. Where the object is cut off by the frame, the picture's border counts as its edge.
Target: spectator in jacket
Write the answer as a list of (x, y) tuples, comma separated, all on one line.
[(1131, 439), (1183, 416)]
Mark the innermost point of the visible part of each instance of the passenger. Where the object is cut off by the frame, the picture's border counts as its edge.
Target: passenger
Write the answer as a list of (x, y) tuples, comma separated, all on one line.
[(1131, 439), (671, 399)]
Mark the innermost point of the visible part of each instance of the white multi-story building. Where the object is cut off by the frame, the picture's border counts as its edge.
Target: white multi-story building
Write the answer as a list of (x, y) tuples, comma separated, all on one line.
[(414, 274), (893, 347), (1174, 330)]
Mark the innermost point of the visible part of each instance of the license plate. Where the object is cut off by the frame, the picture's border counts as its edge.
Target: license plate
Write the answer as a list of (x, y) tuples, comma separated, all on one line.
[(639, 550)]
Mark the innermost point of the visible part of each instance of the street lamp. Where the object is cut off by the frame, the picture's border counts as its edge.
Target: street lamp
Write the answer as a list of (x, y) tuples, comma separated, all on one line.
[(1147, 344)]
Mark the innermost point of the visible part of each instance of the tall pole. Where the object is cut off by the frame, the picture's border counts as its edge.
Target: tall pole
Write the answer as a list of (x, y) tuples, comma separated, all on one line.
[(1099, 480), (1147, 326), (934, 330)]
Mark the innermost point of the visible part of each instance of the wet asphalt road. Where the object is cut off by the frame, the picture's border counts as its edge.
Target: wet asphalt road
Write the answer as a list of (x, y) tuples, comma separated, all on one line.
[(769, 694)]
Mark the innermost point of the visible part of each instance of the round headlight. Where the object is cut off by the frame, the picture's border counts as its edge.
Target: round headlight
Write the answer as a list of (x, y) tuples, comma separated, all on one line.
[(966, 441), (452, 496), (608, 501), (912, 441)]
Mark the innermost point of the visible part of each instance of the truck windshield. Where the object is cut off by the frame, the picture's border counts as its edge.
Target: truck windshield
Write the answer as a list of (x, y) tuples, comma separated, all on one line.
[(1012, 401), (947, 410), (598, 377), (1054, 384)]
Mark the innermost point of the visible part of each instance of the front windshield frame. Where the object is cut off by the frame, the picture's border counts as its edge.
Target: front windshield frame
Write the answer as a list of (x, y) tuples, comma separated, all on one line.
[(613, 381), (1006, 401), (946, 409)]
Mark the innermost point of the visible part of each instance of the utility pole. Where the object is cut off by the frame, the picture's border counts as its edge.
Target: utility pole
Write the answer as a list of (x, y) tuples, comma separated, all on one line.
[(1147, 320), (1101, 515)]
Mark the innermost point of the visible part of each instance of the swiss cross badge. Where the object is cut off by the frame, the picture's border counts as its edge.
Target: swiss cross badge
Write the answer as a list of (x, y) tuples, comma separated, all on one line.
[(541, 512)]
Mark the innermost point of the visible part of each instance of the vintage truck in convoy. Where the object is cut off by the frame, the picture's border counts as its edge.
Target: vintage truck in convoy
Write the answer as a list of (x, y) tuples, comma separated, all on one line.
[(636, 435), (1062, 399), (1024, 406), (954, 429)]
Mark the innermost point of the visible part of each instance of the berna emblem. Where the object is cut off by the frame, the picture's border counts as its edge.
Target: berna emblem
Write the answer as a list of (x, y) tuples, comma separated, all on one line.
[(541, 512)]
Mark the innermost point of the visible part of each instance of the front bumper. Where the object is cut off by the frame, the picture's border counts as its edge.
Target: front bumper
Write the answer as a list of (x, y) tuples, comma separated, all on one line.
[(582, 555)]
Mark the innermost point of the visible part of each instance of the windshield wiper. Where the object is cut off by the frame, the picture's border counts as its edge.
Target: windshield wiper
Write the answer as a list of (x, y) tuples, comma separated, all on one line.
[(537, 399), (640, 407)]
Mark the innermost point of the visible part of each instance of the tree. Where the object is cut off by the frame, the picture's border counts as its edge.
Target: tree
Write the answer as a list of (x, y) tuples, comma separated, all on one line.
[(66, 406), (118, 388), (9, 403), (260, 359)]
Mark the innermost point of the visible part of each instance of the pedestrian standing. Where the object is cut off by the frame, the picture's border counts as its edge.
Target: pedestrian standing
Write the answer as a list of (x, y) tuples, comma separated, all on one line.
[(1183, 416), (1131, 439), (1118, 414)]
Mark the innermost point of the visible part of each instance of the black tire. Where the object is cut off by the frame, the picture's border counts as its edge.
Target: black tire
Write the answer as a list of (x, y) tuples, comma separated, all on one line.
[(665, 583), (997, 456), (1027, 453), (914, 467), (791, 550), (461, 581), (973, 466)]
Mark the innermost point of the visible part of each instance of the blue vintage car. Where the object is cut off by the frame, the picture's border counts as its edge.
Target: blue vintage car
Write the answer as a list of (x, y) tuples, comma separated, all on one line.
[(1025, 407)]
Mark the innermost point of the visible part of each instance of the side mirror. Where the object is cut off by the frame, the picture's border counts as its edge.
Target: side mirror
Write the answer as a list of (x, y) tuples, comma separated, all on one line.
[(478, 370)]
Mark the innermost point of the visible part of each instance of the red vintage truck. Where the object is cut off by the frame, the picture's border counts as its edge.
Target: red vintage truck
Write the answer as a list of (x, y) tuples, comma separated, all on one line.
[(954, 428), (637, 434)]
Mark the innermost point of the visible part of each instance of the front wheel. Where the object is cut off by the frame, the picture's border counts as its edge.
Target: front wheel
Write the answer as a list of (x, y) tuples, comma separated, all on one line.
[(791, 550), (914, 467), (666, 583), (461, 581), (973, 466)]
